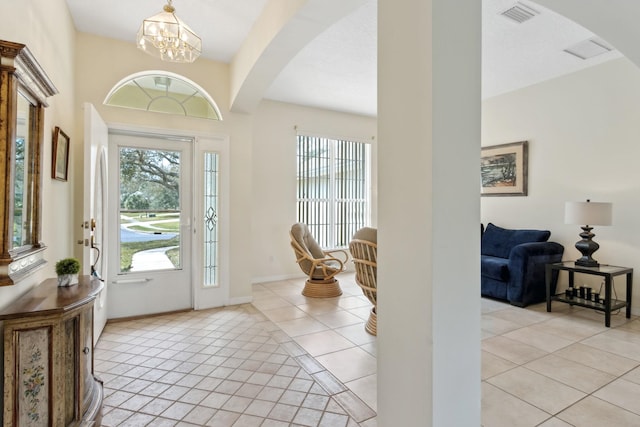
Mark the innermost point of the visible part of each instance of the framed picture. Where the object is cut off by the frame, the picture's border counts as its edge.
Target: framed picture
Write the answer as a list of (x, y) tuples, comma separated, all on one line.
[(503, 170), (60, 156)]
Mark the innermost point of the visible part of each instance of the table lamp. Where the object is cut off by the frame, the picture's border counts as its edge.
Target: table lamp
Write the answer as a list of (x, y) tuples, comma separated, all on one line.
[(589, 213)]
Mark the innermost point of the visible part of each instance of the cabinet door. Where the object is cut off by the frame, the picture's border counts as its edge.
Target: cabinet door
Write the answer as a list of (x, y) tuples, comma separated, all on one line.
[(87, 381), (70, 368), (28, 375)]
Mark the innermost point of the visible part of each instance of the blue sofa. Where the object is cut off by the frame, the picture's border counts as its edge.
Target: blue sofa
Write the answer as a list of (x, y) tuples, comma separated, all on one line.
[(513, 262)]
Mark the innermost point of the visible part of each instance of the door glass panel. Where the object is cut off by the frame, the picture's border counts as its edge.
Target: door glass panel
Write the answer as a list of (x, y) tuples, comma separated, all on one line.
[(210, 219), (149, 209)]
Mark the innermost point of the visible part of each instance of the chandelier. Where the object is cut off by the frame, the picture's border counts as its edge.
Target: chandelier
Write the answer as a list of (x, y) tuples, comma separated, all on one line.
[(165, 36)]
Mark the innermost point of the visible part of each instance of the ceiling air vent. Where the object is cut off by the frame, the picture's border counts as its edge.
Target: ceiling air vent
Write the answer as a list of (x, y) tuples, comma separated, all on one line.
[(589, 48), (520, 13)]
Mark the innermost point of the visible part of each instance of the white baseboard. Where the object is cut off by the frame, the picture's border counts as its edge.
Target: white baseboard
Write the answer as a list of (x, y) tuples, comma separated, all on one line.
[(266, 279), (240, 300)]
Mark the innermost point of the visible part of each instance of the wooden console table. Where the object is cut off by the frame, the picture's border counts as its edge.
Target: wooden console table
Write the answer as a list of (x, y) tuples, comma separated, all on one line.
[(48, 357)]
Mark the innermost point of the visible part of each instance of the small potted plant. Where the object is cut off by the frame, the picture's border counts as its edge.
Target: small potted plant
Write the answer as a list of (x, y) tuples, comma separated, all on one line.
[(67, 270)]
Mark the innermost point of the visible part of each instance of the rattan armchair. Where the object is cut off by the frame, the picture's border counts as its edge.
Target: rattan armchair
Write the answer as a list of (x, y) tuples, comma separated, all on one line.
[(364, 252), (319, 265)]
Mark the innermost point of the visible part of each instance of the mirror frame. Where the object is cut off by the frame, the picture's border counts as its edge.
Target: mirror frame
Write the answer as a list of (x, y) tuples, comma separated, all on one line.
[(19, 71)]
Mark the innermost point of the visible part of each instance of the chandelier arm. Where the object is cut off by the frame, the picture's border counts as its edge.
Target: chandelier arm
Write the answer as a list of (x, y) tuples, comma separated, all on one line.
[(165, 36)]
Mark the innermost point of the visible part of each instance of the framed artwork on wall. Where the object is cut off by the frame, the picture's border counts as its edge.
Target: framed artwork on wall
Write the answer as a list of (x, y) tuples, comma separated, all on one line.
[(60, 155), (503, 170)]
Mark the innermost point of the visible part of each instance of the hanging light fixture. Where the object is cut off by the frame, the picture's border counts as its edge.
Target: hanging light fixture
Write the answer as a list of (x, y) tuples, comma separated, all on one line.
[(165, 36)]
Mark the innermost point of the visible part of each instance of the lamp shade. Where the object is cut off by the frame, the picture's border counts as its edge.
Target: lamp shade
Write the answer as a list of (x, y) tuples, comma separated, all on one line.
[(587, 213)]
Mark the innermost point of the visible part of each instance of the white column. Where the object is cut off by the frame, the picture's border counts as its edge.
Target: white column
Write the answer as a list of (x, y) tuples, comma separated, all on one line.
[(429, 213)]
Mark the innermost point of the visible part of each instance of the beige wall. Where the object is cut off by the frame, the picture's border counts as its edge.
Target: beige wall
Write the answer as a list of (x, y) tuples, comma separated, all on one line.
[(104, 62), (262, 203), (274, 177), (583, 132), (45, 26), (85, 67)]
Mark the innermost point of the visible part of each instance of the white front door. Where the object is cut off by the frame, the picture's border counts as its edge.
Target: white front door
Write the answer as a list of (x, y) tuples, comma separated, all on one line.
[(95, 204), (150, 180)]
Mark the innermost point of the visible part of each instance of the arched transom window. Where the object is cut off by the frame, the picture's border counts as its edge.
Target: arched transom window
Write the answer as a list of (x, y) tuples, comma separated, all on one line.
[(163, 92)]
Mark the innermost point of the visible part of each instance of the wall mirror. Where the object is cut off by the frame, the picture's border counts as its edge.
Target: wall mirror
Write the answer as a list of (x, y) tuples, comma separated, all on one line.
[(24, 88)]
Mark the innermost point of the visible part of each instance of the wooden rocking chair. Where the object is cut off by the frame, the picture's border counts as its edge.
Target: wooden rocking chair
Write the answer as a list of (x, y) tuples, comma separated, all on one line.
[(364, 251), (321, 266)]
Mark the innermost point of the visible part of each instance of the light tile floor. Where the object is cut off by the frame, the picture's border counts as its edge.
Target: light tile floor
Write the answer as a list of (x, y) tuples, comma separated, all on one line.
[(558, 369), (288, 360), (235, 367)]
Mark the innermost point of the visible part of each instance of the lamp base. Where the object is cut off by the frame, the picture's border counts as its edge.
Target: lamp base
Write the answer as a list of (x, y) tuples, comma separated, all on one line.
[(587, 246), (587, 262)]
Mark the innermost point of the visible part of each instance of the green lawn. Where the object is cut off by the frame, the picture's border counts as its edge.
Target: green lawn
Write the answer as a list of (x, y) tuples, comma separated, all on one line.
[(174, 256), (168, 226), (156, 223), (147, 217), (129, 248)]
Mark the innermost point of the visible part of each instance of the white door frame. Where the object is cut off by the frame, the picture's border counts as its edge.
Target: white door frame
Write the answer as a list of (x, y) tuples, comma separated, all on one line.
[(202, 297)]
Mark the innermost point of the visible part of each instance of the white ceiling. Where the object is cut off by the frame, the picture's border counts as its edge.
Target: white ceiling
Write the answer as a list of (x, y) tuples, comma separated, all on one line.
[(222, 24), (519, 55), (337, 70)]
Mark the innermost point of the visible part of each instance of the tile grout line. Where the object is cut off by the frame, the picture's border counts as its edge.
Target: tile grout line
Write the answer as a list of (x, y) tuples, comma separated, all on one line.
[(303, 353), (266, 326)]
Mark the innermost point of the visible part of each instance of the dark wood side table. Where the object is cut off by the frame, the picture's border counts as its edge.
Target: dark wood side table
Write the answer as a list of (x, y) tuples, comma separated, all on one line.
[(606, 271)]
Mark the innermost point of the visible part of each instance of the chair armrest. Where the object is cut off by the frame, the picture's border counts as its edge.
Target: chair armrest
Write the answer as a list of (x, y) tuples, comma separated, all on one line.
[(328, 271), (527, 271), (523, 250), (344, 256)]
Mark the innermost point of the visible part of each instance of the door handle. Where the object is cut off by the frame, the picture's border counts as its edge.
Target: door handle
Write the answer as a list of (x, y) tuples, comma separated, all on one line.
[(124, 281)]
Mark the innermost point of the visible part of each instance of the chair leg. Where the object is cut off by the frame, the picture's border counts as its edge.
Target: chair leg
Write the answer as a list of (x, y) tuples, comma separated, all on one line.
[(372, 323), (322, 288)]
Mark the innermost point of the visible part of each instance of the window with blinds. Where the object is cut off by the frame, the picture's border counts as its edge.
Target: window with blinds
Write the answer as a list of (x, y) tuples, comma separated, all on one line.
[(333, 196)]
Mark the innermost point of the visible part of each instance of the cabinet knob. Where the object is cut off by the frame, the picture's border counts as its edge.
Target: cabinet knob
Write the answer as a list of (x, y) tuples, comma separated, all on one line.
[(86, 350)]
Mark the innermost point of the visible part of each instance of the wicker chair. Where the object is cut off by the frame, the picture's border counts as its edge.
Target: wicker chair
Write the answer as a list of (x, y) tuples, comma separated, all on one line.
[(321, 266), (364, 251)]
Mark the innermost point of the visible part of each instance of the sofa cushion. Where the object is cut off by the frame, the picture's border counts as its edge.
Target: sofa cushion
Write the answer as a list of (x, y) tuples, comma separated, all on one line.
[(498, 241), (495, 268)]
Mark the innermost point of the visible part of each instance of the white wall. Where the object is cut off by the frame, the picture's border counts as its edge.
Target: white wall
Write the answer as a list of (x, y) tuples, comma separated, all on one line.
[(429, 253), (46, 27), (583, 132), (103, 62), (274, 177), (85, 67), (262, 204)]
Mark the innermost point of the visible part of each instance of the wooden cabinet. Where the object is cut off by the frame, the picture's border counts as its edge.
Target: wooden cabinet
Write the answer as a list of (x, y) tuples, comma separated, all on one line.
[(48, 357)]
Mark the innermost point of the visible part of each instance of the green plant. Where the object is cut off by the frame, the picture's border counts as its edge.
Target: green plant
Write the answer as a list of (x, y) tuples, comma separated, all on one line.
[(67, 266)]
